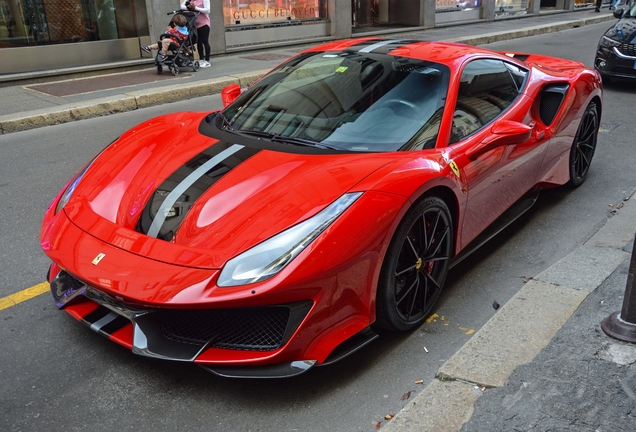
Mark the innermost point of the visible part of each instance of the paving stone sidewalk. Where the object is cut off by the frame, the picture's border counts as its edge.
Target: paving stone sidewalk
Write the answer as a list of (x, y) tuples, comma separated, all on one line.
[(582, 381)]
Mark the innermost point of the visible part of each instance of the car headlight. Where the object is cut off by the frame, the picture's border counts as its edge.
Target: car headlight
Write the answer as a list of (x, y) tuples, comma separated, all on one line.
[(609, 43), (271, 256), (66, 196)]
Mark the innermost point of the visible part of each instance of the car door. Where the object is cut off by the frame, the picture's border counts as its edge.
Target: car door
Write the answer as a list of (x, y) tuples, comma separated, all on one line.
[(490, 98)]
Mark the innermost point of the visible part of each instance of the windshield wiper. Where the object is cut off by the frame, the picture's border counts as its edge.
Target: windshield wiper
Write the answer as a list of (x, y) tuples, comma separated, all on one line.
[(226, 123), (286, 139), (302, 142)]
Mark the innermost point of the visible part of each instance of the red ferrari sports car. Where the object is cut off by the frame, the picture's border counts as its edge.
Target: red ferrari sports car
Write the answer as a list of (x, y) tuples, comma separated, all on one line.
[(326, 201)]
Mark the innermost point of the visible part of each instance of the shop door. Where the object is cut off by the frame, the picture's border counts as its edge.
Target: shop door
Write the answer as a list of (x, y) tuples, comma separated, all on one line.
[(362, 11)]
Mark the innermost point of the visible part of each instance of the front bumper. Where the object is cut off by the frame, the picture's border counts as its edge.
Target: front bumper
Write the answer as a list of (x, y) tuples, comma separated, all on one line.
[(183, 335), (614, 63)]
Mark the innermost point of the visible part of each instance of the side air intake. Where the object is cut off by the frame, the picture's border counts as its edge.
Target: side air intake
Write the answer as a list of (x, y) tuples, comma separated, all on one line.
[(550, 101)]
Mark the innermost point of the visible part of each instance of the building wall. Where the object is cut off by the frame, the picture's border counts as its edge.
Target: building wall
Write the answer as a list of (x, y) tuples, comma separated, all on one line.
[(106, 31)]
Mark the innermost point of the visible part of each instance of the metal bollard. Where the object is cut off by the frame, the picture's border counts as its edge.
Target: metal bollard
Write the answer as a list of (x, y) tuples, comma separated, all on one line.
[(621, 325)]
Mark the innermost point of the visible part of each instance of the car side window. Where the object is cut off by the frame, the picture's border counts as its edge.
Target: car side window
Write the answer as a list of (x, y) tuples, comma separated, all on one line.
[(486, 89)]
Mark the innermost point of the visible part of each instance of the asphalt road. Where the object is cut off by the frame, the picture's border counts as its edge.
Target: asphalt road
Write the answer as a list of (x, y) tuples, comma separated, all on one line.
[(57, 375)]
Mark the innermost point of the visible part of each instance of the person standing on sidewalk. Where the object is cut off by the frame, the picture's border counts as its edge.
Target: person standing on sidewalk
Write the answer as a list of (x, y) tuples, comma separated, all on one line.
[(203, 28)]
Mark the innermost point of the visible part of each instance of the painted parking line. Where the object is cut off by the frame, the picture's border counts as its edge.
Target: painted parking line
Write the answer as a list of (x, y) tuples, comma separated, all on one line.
[(24, 295)]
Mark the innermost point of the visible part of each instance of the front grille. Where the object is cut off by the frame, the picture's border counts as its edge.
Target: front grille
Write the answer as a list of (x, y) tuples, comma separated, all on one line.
[(249, 329), (73, 282), (254, 329), (627, 49)]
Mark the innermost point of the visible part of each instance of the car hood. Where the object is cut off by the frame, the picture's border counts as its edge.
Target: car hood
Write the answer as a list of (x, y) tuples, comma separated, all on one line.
[(215, 199), (624, 30)]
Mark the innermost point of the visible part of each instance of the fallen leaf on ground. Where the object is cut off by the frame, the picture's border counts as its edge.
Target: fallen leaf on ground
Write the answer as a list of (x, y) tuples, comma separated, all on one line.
[(378, 424), (495, 305), (389, 416), (406, 395)]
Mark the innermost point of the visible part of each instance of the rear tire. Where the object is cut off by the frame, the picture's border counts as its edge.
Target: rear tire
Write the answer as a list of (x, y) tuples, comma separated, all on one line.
[(159, 69), (584, 145), (196, 65), (415, 266), (175, 69)]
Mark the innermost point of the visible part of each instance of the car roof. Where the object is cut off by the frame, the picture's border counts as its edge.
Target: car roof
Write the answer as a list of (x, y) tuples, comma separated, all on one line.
[(441, 52)]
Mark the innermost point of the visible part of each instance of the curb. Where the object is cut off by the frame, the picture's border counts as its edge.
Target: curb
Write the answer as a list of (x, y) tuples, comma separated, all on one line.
[(519, 330), (146, 98), (129, 101), (531, 31)]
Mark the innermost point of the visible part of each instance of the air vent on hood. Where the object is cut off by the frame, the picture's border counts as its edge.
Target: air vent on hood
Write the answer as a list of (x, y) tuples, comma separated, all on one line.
[(550, 101)]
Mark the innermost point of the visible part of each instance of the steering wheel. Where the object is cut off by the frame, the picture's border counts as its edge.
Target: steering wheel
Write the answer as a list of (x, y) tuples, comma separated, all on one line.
[(403, 108)]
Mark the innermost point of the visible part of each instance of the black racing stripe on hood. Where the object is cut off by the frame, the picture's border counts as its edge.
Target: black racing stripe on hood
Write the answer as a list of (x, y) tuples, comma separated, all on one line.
[(167, 207), (382, 46)]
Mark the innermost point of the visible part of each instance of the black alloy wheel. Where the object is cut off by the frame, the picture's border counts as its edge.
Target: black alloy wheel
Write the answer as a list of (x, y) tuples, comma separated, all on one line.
[(415, 267), (584, 145)]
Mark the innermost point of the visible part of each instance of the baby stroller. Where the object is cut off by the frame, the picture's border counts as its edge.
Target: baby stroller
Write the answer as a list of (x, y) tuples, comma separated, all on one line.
[(182, 54)]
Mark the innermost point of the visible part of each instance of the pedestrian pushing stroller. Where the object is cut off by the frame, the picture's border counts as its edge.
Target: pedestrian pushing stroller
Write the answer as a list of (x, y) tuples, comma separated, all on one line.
[(182, 54)]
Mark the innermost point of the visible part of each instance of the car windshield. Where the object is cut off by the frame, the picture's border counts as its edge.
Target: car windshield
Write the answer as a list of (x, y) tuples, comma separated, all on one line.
[(631, 12), (350, 101)]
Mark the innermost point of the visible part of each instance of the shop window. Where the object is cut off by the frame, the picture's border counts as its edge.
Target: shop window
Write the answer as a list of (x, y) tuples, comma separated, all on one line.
[(504, 8), (456, 5), (262, 12), (43, 22)]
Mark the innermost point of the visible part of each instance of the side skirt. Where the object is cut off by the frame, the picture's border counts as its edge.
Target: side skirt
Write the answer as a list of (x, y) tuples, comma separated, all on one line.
[(509, 216)]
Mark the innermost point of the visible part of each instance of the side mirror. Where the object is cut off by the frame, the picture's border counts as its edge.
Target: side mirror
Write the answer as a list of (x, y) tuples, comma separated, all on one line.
[(503, 132), (230, 93), (618, 13)]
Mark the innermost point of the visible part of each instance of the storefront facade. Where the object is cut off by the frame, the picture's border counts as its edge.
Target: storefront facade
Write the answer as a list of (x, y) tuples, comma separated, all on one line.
[(44, 35), (52, 34)]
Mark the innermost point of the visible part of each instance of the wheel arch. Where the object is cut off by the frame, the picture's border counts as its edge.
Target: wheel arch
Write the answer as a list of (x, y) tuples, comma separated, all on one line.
[(449, 197), (442, 193), (599, 105)]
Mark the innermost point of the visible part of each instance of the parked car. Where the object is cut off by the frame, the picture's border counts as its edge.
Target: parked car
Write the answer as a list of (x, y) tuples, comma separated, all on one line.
[(616, 51), (324, 203)]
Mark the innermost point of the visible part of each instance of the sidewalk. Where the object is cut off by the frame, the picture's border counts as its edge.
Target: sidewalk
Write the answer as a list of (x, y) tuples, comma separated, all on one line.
[(36, 105), (542, 363)]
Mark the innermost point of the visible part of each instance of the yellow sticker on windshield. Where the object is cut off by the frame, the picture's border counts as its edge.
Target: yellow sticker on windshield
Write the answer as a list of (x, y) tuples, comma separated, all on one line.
[(454, 167), (342, 69)]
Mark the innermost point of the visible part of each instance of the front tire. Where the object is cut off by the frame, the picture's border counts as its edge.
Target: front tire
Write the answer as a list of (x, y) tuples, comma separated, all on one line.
[(584, 145), (415, 266)]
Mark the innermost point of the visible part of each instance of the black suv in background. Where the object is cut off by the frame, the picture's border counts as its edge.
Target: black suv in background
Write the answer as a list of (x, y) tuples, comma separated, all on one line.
[(616, 52)]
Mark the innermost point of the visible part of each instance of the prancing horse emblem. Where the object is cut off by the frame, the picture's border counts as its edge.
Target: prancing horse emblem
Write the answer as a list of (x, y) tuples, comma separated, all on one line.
[(98, 258)]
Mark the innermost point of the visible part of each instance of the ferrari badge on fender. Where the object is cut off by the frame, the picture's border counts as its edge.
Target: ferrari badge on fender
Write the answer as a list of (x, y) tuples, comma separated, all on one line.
[(98, 258), (454, 167)]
